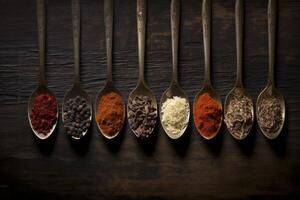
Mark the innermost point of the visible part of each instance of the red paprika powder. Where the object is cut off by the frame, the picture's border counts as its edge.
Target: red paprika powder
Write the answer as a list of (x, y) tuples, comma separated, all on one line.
[(43, 113), (110, 115), (207, 115)]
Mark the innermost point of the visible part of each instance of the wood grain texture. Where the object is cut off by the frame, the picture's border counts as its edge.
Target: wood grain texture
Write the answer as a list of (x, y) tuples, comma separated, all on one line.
[(190, 168)]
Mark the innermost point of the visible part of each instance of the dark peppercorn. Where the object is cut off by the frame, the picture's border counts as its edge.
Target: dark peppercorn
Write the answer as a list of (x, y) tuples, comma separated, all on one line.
[(77, 116)]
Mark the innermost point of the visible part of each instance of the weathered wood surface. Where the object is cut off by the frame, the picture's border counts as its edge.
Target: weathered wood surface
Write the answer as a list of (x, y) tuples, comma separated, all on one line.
[(161, 169)]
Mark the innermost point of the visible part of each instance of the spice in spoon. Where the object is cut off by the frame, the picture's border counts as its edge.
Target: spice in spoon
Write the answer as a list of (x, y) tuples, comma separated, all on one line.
[(207, 115), (142, 115), (239, 115), (110, 115), (77, 116), (270, 115), (43, 113), (175, 113)]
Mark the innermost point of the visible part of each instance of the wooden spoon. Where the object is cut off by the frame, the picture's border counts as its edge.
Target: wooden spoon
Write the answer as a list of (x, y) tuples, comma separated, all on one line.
[(42, 88), (174, 89), (141, 89), (270, 90), (76, 89), (109, 86), (238, 89), (207, 86)]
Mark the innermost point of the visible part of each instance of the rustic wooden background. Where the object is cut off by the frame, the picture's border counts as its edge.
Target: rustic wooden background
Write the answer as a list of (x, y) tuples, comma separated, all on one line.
[(190, 168)]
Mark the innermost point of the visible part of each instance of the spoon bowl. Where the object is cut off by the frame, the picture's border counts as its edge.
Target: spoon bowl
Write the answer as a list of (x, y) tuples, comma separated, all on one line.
[(238, 91), (172, 91), (41, 89), (108, 88), (271, 92), (75, 91), (209, 89)]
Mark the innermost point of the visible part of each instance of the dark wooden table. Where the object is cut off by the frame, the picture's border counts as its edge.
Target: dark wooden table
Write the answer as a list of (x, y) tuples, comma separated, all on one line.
[(190, 168)]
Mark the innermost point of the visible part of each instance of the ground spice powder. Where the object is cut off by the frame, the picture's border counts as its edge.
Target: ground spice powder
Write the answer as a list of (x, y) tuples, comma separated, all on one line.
[(110, 115), (44, 113), (207, 115)]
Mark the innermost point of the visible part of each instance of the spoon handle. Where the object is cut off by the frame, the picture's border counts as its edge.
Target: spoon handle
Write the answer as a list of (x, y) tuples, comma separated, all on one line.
[(239, 23), (206, 17), (76, 37), (272, 17), (41, 20), (175, 19), (141, 27), (108, 20)]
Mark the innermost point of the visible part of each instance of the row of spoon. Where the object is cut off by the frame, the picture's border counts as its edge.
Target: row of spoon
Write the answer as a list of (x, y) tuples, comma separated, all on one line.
[(142, 87)]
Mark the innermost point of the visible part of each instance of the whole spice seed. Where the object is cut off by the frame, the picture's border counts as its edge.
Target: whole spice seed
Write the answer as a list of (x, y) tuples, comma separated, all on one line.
[(270, 115), (142, 116), (207, 115), (77, 116), (175, 115), (110, 115), (43, 113), (238, 117)]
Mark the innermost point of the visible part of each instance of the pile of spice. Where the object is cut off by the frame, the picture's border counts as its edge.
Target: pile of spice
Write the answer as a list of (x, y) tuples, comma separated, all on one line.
[(175, 115), (110, 115), (239, 115), (43, 113), (77, 116), (207, 115), (142, 115), (270, 115)]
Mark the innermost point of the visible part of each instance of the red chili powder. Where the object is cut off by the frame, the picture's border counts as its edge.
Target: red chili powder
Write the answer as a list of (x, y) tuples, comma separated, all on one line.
[(43, 113), (110, 115), (207, 115)]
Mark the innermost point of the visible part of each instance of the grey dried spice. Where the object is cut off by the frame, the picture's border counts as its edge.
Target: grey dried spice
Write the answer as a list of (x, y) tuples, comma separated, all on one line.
[(142, 116), (270, 115), (239, 116)]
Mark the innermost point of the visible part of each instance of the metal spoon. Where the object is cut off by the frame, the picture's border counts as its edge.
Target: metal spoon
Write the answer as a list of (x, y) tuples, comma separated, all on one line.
[(174, 89), (141, 88), (76, 89), (109, 86), (270, 90), (238, 89), (207, 86), (42, 88)]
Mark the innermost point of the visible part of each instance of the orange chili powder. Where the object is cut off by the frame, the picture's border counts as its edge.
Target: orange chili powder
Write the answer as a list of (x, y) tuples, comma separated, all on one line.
[(207, 115), (110, 116)]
